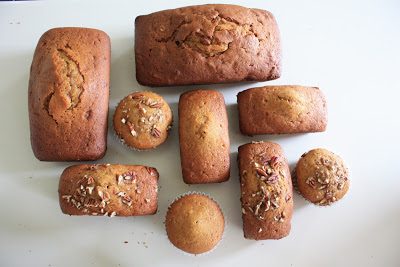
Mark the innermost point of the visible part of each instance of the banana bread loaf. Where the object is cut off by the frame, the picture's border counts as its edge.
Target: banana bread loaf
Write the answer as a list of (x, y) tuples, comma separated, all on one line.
[(203, 137), (206, 44), (266, 191), (68, 94), (282, 110), (109, 190)]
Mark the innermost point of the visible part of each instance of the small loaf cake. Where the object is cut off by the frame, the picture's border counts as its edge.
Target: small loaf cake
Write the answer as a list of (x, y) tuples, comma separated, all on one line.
[(142, 120), (109, 190), (266, 191), (194, 223), (282, 109), (203, 137), (206, 44), (68, 95), (322, 177)]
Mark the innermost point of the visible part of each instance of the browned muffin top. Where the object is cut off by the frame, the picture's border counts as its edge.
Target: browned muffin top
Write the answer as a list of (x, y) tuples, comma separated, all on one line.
[(194, 223), (322, 177), (142, 120)]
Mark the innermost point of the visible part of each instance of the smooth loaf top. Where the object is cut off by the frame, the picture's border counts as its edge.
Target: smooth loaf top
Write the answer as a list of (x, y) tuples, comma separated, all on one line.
[(282, 110), (68, 94), (203, 137), (109, 190), (206, 44)]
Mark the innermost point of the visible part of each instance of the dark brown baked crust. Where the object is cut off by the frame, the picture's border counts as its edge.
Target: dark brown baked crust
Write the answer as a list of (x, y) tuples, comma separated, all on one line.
[(68, 95), (282, 109), (206, 44), (194, 223), (203, 137), (142, 120), (266, 191), (322, 177), (109, 190)]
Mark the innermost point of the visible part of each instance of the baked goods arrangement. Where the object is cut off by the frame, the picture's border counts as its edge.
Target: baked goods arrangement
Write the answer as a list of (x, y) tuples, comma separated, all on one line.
[(68, 109)]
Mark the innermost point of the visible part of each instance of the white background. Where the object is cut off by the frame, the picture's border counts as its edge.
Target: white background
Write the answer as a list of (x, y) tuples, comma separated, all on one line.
[(349, 49)]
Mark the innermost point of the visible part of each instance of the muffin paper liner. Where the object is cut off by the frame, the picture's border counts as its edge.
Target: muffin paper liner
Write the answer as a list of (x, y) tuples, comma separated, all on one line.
[(223, 234)]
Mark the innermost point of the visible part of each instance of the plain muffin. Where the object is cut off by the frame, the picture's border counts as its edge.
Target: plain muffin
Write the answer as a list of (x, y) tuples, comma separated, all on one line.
[(194, 223)]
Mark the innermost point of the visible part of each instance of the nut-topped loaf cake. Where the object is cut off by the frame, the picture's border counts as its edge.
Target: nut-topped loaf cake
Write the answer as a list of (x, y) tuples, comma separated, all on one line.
[(203, 137), (282, 109), (206, 44), (109, 190), (266, 191), (68, 94)]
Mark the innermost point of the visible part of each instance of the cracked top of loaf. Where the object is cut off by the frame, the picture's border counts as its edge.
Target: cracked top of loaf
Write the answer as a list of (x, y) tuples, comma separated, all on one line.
[(68, 94), (206, 44)]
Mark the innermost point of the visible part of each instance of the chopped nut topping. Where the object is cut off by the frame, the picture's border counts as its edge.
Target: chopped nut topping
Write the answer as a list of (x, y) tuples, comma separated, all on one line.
[(67, 197), (260, 230), (147, 200), (155, 104), (113, 214), (133, 133), (123, 120), (155, 132), (90, 180), (90, 189), (243, 210), (127, 200), (311, 182)]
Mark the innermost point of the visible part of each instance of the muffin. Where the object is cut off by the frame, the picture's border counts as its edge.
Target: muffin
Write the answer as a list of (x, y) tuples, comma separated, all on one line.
[(194, 223), (322, 177), (142, 120)]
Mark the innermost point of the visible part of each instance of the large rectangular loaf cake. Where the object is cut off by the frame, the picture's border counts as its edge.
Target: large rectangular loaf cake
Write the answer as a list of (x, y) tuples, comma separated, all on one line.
[(68, 94), (282, 109), (206, 44), (203, 137), (266, 191), (109, 190)]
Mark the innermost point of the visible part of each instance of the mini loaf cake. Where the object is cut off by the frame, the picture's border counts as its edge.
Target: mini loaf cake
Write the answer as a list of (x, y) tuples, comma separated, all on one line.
[(109, 190), (282, 109), (322, 177), (206, 44), (266, 191), (203, 137), (194, 223), (142, 120), (68, 95)]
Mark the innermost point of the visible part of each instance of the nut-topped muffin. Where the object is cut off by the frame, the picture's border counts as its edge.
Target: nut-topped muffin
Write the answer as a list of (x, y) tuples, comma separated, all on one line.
[(142, 120), (322, 177), (194, 223)]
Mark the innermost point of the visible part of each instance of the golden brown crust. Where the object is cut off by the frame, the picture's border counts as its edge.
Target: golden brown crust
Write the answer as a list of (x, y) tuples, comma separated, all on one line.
[(266, 191), (206, 44), (194, 223), (322, 177), (142, 120), (109, 190), (281, 110), (203, 137), (68, 94)]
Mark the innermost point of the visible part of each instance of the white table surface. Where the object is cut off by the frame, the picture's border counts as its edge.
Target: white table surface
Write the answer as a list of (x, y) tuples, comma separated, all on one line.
[(349, 50)]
